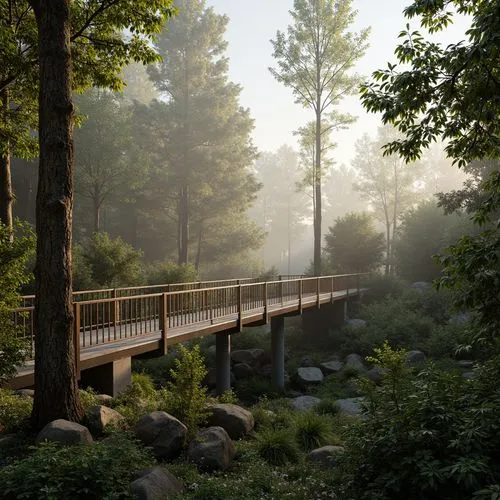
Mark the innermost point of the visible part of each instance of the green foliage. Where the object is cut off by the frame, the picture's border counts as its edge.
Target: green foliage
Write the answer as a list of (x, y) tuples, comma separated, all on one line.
[(353, 245), (438, 91), (327, 407), (88, 398), (138, 399), (472, 266), (185, 397), (110, 261), (380, 287), (101, 470), (169, 272), (437, 434), (277, 447), (157, 368), (312, 430), (14, 256), (252, 389), (418, 241), (14, 410), (228, 397)]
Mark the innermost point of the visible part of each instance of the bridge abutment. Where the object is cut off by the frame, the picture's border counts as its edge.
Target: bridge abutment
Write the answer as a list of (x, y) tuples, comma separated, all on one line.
[(278, 351), (110, 378), (223, 362)]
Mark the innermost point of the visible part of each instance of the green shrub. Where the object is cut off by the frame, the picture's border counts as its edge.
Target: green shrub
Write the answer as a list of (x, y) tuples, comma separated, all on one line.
[(252, 389), (14, 256), (14, 410), (228, 397), (88, 398), (138, 399), (277, 447), (185, 397), (157, 368), (429, 436), (161, 273), (327, 407), (101, 470), (311, 430)]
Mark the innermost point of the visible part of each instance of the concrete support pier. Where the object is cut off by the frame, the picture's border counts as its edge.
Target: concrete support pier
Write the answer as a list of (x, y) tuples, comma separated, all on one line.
[(339, 313), (278, 351), (111, 378), (222, 363)]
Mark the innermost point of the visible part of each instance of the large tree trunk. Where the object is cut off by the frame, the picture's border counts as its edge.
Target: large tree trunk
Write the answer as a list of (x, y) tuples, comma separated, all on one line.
[(6, 195), (56, 390), (317, 190)]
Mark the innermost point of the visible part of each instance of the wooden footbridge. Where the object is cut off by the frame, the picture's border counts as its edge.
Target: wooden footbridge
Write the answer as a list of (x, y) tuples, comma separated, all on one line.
[(114, 325)]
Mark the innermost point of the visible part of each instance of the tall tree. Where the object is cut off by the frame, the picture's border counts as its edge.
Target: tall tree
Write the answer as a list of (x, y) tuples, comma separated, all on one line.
[(314, 59), (102, 167), (205, 133), (56, 394), (280, 209), (387, 184)]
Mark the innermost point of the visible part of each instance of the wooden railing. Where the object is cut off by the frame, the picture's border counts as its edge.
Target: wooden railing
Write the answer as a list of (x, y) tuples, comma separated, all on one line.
[(105, 319)]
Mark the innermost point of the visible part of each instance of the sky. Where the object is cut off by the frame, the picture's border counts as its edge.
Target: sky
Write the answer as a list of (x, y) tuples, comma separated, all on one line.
[(253, 24)]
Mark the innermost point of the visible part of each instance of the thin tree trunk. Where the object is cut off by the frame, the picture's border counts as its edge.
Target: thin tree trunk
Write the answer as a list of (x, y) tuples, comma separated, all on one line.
[(317, 190), (198, 251), (97, 214), (56, 390), (6, 194)]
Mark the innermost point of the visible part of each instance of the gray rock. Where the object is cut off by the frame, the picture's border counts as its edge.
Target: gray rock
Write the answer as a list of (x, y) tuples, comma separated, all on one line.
[(26, 393), (294, 394), (375, 374), (249, 356), (156, 483), (413, 357), (460, 318), (162, 432), (242, 371), (310, 375), (101, 418), (329, 367), (465, 363), (212, 449), (104, 399), (64, 432), (305, 403), (468, 375), (350, 406), (354, 361), (234, 419), (327, 455), (356, 323), (7, 440), (307, 361)]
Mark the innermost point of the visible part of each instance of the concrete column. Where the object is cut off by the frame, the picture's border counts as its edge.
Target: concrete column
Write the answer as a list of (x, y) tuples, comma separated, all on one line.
[(222, 362), (110, 378), (278, 351), (339, 313)]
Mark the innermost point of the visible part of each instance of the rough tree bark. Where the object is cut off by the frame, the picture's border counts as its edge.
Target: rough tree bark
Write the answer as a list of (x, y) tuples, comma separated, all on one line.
[(6, 194), (56, 390)]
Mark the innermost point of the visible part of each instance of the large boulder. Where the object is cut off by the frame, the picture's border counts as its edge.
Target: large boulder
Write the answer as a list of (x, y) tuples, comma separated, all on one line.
[(414, 357), (64, 432), (351, 406), (465, 363), (156, 483), (100, 418), (329, 367), (310, 375), (236, 421), (162, 432), (327, 455), (421, 286), (304, 403), (375, 374), (212, 449), (104, 399), (26, 393), (242, 371), (251, 357), (354, 361)]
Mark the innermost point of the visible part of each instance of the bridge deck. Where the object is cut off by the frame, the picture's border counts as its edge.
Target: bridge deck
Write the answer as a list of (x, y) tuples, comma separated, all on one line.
[(143, 327)]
